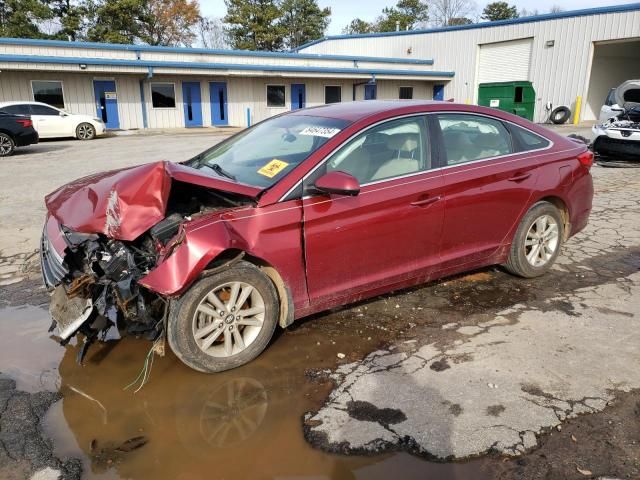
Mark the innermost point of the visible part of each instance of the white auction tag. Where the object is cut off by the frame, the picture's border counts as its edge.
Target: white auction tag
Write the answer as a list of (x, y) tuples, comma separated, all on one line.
[(326, 132)]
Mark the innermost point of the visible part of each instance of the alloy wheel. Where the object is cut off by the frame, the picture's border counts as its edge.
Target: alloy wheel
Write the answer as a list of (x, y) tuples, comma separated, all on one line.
[(228, 319), (6, 146), (542, 241), (85, 132)]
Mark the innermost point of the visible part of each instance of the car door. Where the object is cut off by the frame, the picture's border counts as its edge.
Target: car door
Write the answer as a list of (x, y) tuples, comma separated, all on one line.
[(487, 185), (390, 231), (48, 121)]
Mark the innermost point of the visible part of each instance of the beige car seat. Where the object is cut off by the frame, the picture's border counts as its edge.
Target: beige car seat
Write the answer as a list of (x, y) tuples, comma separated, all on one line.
[(404, 160)]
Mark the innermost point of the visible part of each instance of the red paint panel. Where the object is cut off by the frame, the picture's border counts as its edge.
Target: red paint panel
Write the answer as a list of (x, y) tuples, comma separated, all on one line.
[(354, 244)]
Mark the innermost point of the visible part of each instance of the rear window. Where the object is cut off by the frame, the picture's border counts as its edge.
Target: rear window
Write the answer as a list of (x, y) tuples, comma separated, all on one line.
[(526, 140)]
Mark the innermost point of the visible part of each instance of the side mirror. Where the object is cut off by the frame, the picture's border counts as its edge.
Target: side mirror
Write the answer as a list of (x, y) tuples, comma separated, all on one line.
[(340, 183), (62, 114)]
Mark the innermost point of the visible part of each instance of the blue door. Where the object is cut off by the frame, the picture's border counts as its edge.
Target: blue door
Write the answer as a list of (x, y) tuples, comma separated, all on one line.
[(369, 92), (298, 96), (438, 92), (107, 102), (218, 97), (191, 102)]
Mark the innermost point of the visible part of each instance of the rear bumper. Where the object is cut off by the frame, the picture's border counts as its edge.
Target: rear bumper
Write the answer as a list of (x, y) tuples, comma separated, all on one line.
[(27, 138)]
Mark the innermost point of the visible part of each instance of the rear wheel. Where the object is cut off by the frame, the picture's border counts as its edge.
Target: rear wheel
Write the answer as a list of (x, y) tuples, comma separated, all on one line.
[(225, 320), (7, 145), (537, 241), (85, 131)]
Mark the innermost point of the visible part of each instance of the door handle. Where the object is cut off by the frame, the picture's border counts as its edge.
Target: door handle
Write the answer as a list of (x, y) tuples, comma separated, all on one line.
[(425, 201), (520, 177)]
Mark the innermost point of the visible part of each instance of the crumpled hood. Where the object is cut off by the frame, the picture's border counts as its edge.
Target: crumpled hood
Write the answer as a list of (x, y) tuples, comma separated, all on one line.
[(123, 204), (624, 94)]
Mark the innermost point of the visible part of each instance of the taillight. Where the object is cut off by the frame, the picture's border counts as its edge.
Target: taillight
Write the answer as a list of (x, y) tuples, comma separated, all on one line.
[(25, 123), (586, 159)]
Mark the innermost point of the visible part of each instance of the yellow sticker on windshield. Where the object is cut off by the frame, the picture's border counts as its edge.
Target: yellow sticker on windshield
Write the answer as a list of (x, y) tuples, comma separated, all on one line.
[(273, 168)]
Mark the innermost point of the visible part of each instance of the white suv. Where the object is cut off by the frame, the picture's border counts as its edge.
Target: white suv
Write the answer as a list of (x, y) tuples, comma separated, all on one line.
[(51, 122)]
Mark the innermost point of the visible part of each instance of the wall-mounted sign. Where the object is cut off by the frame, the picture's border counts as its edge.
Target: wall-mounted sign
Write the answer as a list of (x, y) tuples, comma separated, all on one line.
[(494, 103), (110, 95)]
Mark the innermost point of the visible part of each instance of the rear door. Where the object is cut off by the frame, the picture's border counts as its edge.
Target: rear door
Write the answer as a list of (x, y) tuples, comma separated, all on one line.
[(388, 233), (487, 184)]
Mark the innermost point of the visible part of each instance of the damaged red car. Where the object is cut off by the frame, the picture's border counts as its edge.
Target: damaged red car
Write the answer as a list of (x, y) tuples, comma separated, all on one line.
[(303, 212)]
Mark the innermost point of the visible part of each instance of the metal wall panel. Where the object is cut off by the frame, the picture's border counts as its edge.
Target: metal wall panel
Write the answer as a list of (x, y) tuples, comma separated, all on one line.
[(559, 73), (505, 61)]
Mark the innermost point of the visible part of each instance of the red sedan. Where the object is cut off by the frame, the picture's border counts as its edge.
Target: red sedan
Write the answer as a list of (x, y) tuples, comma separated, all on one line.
[(303, 212)]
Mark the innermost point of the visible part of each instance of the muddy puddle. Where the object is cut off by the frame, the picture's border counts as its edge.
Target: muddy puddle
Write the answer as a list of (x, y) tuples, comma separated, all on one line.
[(245, 423)]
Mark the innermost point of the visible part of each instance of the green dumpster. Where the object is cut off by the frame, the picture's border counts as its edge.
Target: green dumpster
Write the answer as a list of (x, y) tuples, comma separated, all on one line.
[(514, 97)]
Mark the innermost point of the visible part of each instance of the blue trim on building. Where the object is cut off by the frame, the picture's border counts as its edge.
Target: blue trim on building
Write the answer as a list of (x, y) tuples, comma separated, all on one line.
[(245, 53), (215, 66), (143, 105), (499, 23)]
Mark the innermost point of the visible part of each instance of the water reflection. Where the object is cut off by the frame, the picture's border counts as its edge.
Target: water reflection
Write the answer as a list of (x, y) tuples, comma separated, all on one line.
[(244, 423)]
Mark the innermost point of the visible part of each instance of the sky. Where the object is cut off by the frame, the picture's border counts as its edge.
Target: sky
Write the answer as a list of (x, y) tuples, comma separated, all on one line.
[(343, 11)]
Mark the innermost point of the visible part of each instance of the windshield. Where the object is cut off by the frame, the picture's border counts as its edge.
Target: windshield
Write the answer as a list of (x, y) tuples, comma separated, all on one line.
[(262, 155)]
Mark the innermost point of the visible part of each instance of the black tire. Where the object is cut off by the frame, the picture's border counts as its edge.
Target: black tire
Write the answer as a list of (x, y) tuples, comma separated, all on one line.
[(85, 131), (560, 115), (181, 316), (7, 145), (517, 263)]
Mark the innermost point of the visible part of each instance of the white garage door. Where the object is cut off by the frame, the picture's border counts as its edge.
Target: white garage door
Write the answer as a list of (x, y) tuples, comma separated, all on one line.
[(505, 61)]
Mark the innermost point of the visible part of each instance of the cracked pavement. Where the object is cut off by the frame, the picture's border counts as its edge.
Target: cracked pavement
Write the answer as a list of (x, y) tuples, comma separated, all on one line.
[(504, 375)]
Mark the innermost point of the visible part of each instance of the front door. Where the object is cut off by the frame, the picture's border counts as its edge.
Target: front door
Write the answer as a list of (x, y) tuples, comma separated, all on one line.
[(107, 102), (438, 92), (370, 92), (487, 187), (218, 98), (298, 96), (191, 102), (387, 234)]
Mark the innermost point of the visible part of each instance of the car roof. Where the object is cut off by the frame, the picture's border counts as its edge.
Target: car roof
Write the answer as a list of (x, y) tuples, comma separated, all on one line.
[(26, 102), (357, 110)]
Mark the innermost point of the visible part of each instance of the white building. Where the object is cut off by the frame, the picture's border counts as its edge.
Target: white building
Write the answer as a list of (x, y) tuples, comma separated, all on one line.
[(581, 53), (566, 55), (136, 86)]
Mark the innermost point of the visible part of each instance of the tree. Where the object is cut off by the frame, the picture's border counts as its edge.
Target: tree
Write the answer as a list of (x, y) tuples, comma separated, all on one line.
[(20, 18), (556, 9), (499, 11), (406, 15), (302, 21), (168, 22), (211, 33), (69, 19), (253, 24), (114, 21), (443, 11), (459, 21), (529, 13), (358, 25)]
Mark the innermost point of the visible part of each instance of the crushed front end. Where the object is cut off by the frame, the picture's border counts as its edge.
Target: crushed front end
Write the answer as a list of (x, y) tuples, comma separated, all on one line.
[(105, 233), (94, 282)]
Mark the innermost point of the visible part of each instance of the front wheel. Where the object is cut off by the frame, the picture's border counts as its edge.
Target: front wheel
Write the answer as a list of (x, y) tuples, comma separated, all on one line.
[(537, 241), (85, 131), (225, 320), (7, 145)]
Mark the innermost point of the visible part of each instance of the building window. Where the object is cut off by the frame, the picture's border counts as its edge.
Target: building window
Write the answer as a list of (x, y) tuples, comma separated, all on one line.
[(163, 95), (332, 94), (406, 93), (49, 92), (275, 96)]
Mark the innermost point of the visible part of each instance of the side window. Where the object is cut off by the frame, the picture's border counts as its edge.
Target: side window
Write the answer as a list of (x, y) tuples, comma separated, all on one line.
[(526, 140), (389, 150), (44, 110), (471, 137), (17, 109), (49, 92)]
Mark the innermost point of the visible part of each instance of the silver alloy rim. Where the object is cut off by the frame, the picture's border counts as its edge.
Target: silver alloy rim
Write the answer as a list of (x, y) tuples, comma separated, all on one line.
[(542, 241), (85, 131), (5, 145), (233, 412), (228, 319)]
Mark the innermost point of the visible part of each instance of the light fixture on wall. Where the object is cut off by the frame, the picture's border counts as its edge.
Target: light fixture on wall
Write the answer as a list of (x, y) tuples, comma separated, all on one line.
[(83, 66), (550, 43)]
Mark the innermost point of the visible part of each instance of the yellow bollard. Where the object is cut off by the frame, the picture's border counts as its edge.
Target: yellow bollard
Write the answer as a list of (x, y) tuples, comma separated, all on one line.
[(576, 115)]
